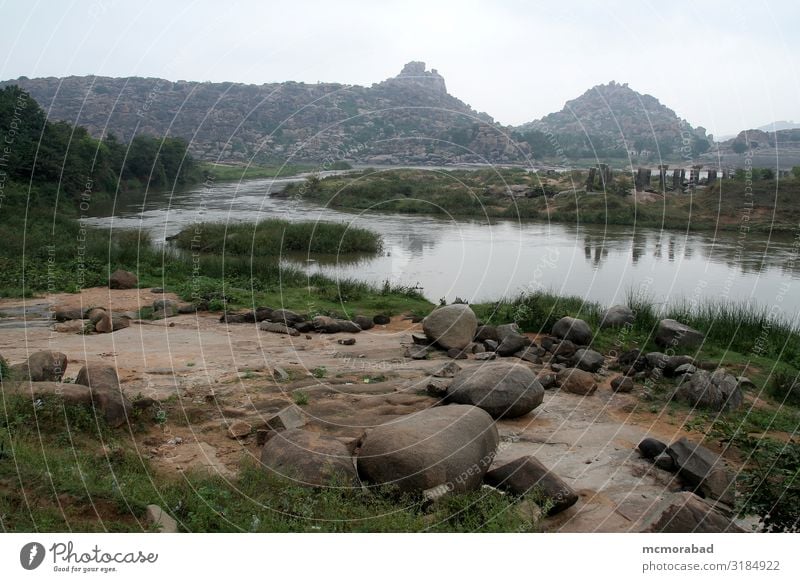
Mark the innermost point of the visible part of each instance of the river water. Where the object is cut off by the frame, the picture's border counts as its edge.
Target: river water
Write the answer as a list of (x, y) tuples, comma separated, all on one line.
[(478, 260)]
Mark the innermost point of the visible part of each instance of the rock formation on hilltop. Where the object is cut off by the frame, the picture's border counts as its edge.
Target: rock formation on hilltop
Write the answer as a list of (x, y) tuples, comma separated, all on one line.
[(409, 118)]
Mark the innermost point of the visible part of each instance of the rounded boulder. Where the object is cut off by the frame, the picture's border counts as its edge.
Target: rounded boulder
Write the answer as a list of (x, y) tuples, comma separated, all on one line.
[(504, 390), (451, 326)]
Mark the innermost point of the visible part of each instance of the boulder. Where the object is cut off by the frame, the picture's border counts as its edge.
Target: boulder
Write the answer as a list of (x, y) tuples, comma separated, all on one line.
[(450, 446), (575, 330), (526, 473), (485, 332), (529, 354), (651, 448), (490, 345), (504, 390), (622, 384), (106, 392), (309, 458), (458, 354), (511, 344), (717, 391), (703, 470), (617, 316), (685, 512), (347, 326), (304, 327), (381, 320), (285, 316), (451, 327), (165, 305), (278, 328), (449, 370), (416, 352), (95, 314), (120, 279), (160, 520), (72, 394), (673, 363), (505, 330), (325, 324), (43, 366), (63, 314), (671, 333), (363, 322), (631, 362), (239, 429), (576, 381), (104, 324), (288, 418), (547, 380), (420, 339), (588, 360), (485, 356)]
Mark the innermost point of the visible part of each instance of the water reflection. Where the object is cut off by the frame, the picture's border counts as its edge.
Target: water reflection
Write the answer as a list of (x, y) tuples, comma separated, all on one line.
[(476, 260)]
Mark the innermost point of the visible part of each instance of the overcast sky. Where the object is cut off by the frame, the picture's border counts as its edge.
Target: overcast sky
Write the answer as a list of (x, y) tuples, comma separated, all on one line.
[(724, 65)]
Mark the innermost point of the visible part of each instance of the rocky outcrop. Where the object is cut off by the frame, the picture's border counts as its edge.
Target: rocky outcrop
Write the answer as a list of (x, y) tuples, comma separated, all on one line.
[(685, 512), (309, 459), (715, 391), (504, 390), (528, 473), (703, 470), (447, 447)]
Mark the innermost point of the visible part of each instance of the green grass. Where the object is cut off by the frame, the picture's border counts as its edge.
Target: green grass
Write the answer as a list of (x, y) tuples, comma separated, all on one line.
[(62, 471), (275, 237), (235, 173)]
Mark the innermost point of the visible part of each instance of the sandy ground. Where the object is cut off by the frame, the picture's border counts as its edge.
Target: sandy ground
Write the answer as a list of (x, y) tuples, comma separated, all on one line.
[(214, 374)]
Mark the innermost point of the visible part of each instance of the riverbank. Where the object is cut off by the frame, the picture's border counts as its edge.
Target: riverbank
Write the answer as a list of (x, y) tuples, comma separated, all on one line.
[(762, 205)]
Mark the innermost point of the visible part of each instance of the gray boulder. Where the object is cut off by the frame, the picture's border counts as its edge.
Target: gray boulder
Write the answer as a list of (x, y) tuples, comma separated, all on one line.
[(685, 512), (347, 326), (504, 390), (43, 366), (309, 459), (588, 360), (617, 316), (325, 324), (452, 326), (575, 330), (285, 316), (703, 470), (671, 333), (445, 446), (505, 330), (651, 448), (364, 322), (623, 384), (485, 332), (511, 344), (165, 305), (106, 392), (278, 328), (526, 473), (718, 391), (62, 314)]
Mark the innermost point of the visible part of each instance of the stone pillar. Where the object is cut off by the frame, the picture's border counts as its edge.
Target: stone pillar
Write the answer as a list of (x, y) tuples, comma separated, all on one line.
[(712, 177), (648, 176), (605, 176), (639, 179), (676, 179), (662, 177), (590, 180)]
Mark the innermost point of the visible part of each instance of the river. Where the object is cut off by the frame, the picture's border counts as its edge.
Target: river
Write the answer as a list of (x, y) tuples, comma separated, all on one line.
[(478, 260)]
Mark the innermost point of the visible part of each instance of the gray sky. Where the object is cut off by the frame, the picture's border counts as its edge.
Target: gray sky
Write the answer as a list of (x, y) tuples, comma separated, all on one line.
[(723, 65)]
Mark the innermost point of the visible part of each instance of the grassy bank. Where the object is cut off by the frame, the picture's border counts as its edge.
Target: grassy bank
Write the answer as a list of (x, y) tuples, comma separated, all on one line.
[(763, 205), (89, 478), (275, 237), (219, 172)]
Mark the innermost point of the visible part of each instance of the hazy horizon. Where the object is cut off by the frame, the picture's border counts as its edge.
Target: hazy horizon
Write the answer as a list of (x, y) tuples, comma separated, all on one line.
[(723, 67)]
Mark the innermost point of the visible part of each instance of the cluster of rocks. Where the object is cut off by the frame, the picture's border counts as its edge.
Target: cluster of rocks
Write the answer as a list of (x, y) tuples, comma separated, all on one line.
[(706, 503), (96, 319), (97, 385), (291, 323)]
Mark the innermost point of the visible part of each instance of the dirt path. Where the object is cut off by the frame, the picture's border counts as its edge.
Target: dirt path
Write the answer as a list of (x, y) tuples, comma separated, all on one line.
[(209, 375)]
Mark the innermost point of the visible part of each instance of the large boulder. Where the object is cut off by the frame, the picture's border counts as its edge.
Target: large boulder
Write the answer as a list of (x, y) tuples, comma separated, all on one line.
[(110, 322), (486, 332), (72, 394), (512, 343), (452, 326), (43, 366), (651, 448), (505, 330), (685, 512), (526, 473), (364, 322), (504, 390), (107, 394), (443, 447), (617, 316), (717, 391), (120, 279), (576, 381), (703, 470), (588, 360), (63, 314), (671, 333), (309, 458), (575, 330), (325, 324)]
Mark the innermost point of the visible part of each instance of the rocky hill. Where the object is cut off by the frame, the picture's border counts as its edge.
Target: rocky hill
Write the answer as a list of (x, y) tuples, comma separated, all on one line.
[(409, 118), (613, 120), (759, 149)]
